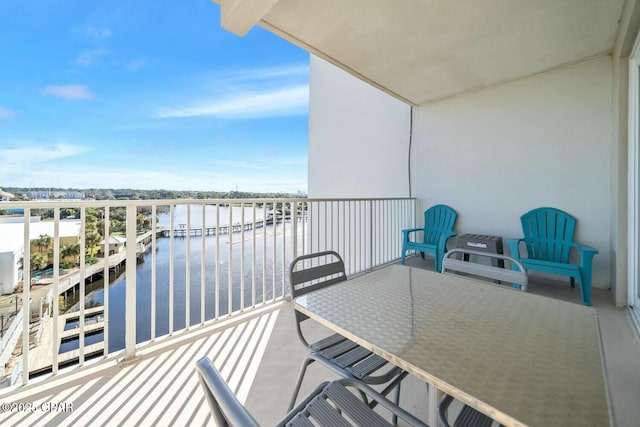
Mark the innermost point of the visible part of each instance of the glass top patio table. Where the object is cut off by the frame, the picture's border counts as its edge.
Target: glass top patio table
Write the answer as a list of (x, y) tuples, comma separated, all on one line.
[(522, 359)]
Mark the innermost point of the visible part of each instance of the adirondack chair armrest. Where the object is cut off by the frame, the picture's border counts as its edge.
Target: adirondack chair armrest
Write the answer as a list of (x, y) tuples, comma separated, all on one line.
[(586, 253), (444, 237), (585, 248), (514, 247), (410, 230)]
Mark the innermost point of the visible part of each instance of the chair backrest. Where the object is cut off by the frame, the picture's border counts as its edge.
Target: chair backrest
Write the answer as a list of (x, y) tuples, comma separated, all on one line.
[(548, 234), (438, 219), (487, 271), (225, 406), (314, 271)]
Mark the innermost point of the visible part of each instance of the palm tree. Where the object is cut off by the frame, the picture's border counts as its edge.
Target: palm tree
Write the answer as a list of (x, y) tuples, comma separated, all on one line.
[(43, 242), (92, 239), (38, 261), (70, 250)]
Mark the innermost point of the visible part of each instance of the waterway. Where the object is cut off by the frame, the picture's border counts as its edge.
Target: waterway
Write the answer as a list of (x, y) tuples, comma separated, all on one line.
[(216, 275)]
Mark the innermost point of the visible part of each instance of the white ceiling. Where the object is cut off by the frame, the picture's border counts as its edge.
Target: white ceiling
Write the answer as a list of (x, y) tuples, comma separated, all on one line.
[(424, 50)]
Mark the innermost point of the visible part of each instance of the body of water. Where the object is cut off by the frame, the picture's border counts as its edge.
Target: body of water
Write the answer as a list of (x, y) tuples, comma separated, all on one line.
[(216, 260)]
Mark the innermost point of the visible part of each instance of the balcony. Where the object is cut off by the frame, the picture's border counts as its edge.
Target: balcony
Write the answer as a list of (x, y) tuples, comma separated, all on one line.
[(244, 323)]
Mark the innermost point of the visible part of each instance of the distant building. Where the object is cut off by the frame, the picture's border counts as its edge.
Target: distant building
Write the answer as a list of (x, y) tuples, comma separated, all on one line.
[(116, 245), (12, 247), (5, 197), (67, 195)]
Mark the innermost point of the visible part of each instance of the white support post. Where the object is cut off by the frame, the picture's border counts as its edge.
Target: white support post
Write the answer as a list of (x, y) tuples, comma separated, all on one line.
[(56, 287), (130, 290), (105, 284), (26, 306), (81, 284)]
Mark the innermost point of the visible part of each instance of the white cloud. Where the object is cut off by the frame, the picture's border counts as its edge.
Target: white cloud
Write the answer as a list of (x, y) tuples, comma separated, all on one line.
[(279, 102), (136, 64), (270, 73), (89, 57), (27, 163), (5, 114), (68, 91), (21, 154), (98, 33)]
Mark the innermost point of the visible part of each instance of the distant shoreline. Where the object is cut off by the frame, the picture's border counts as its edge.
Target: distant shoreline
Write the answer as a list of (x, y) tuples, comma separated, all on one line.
[(22, 193)]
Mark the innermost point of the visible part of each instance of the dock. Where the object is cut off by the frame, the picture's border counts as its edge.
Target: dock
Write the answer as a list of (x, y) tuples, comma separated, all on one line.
[(182, 229), (42, 354)]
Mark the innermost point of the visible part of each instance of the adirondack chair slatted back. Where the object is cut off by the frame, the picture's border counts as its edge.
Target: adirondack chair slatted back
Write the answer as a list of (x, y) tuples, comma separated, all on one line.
[(438, 219), (548, 234)]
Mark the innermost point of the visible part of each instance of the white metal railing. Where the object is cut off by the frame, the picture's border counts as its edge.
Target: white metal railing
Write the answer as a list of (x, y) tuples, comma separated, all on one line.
[(10, 337), (204, 260)]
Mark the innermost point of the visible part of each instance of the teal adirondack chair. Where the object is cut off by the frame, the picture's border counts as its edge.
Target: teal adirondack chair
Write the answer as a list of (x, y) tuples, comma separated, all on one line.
[(548, 238), (438, 227)]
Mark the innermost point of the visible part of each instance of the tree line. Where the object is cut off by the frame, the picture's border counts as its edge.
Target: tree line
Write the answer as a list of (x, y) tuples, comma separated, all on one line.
[(23, 193), (93, 236)]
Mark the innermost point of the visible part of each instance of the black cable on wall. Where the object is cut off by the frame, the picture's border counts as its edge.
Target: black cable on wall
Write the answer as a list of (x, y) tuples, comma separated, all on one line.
[(410, 142)]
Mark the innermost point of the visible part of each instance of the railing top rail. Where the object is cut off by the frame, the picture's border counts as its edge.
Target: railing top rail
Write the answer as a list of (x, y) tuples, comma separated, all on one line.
[(45, 204)]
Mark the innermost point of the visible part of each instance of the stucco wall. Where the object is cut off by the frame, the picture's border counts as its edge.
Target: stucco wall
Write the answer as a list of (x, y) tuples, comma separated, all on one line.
[(358, 137), (492, 154), (543, 141), (8, 272)]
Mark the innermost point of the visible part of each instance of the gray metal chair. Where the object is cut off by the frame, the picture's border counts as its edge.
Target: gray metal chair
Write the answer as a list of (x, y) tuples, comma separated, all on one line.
[(308, 273), (449, 262), (468, 416), (330, 404)]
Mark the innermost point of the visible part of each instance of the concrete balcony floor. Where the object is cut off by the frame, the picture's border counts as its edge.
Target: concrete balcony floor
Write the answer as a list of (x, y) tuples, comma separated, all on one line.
[(260, 355)]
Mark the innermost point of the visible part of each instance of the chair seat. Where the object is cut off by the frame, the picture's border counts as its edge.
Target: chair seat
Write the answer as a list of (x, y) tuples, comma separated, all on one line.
[(470, 417), (550, 266), (333, 404), (416, 246), (467, 417), (356, 360)]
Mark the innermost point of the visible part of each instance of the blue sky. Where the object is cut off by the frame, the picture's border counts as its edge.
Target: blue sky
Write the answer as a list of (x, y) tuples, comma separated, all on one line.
[(147, 94)]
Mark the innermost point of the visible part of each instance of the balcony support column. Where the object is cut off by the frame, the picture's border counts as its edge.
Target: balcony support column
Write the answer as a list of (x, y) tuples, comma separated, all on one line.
[(130, 290), (239, 16), (26, 304)]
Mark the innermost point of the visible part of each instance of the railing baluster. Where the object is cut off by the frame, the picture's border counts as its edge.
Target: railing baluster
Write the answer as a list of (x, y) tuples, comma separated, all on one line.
[(26, 306), (105, 281), (130, 288), (217, 289), (242, 225), (273, 255), (264, 252), (203, 266), (187, 272), (154, 232), (83, 275), (253, 257), (230, 269), (171, 264), (56, 285), (294, 230), (284, 245)]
